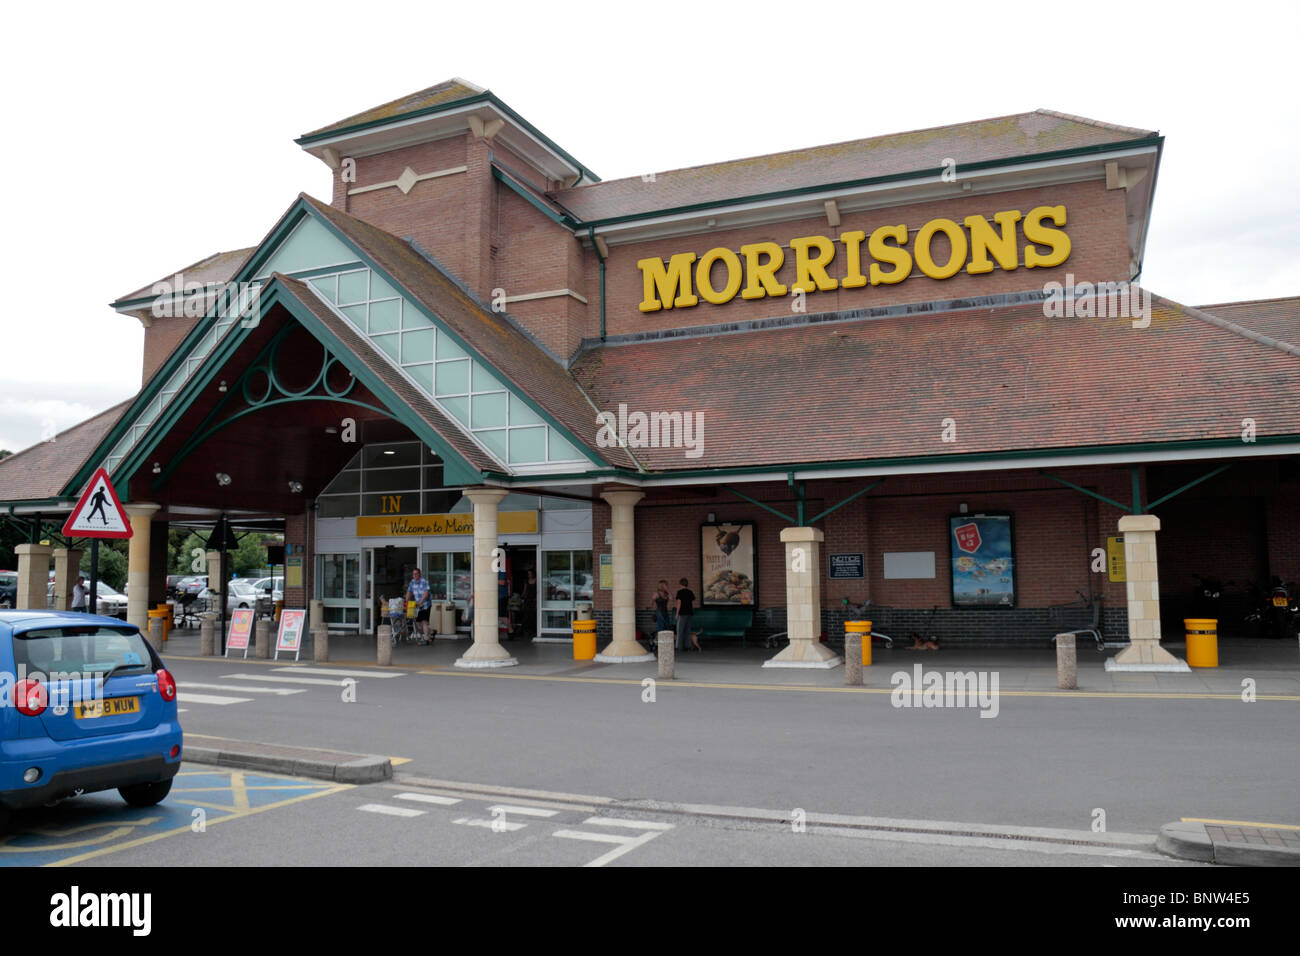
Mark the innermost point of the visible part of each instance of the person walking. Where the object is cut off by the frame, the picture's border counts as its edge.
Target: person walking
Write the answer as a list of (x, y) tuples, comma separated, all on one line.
[(418, 591), (685, 610), (80, 594), (660, 604)]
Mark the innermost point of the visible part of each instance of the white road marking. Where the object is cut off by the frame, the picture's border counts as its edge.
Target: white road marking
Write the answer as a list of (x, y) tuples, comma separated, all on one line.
[(391, 811), (593, 837), (523, 811), (210, 699), (501, 826), (182, 710), (284, 680), (335, 670), (429, 798), (245, 690), (628, 844), (630, 824)]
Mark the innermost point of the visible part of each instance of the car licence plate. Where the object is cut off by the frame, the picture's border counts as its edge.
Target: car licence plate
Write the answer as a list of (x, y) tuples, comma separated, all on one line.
[(1279, 601), (109, 707)]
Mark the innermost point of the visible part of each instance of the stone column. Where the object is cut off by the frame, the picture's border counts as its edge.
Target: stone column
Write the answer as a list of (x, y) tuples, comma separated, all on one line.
[(624, 648), (67, 565), (137, 564), (1144, 652), (33, 576), (486, 651), (214, 576), (803, 602)]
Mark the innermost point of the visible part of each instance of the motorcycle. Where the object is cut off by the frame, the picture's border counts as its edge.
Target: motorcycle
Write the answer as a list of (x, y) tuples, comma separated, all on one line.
[(1276, 613)]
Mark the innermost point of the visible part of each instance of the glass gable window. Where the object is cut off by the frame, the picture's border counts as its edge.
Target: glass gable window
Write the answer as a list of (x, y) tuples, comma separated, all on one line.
[(390, 478)]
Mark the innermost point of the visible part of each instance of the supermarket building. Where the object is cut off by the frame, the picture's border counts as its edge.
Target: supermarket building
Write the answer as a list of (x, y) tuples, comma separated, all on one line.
[(914, 369)]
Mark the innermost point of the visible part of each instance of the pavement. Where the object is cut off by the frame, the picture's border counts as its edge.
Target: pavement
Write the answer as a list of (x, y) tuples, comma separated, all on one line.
[(1269, 670)]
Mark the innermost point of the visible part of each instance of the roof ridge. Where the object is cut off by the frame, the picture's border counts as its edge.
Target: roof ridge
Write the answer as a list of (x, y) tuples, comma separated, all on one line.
[(863, 139), (1074, 117), (1280, 298), (445, 84), (1230, 326)]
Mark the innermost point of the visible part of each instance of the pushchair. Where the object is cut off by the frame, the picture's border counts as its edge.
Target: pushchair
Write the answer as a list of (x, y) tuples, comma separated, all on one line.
[(401, 616)]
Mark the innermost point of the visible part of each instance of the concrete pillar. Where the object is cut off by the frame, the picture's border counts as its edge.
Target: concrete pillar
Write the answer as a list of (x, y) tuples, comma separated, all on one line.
[(384, 645), (486, 651), (214, 577), (624, 648), (667, 641), (803, 602), (1144, 652), (137, 564), (320, 643), (1067, 662), (33, 576), (67, 565), (207, 637), (263, 635), (853, 657)]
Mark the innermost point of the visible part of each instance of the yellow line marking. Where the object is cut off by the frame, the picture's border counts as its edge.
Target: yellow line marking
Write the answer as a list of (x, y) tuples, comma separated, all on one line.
[(812, 688), (270, 786), (327, 791), (238, 790), (1242, 823), (396, 761), (45, 848)]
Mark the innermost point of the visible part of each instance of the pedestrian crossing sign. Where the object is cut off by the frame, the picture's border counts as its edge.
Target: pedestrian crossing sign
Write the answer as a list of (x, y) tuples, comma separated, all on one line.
[(99, 513)]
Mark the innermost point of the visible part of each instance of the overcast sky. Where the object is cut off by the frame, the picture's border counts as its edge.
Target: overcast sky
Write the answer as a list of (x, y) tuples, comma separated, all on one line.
[(140, 138)]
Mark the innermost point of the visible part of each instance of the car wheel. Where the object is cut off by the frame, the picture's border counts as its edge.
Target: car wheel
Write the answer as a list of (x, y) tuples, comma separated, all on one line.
[(243, 607), (145, 794)]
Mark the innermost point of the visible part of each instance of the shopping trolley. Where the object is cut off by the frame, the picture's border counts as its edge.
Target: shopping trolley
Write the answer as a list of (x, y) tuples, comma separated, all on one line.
[(401, 616)]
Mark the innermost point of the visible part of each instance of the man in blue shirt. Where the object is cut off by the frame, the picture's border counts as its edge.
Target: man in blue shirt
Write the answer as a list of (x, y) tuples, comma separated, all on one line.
[(419, 593)]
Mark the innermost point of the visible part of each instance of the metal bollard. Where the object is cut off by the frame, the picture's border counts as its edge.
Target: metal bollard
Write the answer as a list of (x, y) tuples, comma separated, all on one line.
[(320, 643), (667, 654), (1067, 663), (385, 645), (207, 635), (156, 632), (262, 638), (853, 658)]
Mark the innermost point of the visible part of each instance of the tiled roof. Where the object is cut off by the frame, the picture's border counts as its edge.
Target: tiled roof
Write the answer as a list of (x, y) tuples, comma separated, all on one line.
[(1276, 318), (1005, 137), (1009, 377), (43, 470), (523, 362), (447, 91), (218, 267), (362, 348)]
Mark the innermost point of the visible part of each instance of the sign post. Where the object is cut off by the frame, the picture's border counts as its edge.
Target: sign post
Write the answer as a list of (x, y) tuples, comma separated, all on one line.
[(290, 635), (98, 514)]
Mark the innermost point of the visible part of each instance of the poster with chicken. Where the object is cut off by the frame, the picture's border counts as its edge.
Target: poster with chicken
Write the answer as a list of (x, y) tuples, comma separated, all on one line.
[(983, 568), (727, 563)]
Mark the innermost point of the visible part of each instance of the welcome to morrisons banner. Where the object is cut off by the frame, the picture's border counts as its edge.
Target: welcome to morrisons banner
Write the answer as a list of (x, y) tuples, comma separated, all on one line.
[(974, 248), (417, 526)]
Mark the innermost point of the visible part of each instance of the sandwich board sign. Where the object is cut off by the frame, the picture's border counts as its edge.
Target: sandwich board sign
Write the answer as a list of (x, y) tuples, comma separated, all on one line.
[(241, 628), (99, 513), (290, 636)]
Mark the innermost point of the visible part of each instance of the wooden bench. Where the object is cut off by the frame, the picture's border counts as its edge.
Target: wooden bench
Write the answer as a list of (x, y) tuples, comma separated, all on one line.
[(714, 621)]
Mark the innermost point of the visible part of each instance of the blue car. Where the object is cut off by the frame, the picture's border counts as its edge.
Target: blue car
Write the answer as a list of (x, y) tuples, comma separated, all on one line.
[(85, 705)]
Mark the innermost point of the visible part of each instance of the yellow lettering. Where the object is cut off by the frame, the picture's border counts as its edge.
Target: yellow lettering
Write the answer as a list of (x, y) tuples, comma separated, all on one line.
[(390, 504), (667, 288), (1055, 239), (957, 255), (899, 257), (762, 273), (704, 277), (811, 272), (853, 277), (984, 240)]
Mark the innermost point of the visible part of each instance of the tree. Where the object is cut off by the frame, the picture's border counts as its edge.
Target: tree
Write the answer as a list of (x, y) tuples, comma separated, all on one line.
[(112, 562)]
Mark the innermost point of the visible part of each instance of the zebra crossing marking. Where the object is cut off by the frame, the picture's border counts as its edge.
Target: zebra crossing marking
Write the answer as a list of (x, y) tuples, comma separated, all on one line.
[(281, 691), (267, 678), (429, 798), (335, 670), (522, 811), (390, 811), (217, 699)]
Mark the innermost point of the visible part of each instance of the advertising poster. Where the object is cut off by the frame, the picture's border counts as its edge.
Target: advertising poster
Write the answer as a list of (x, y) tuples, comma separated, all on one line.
[(241, 630), (290, 636), (727, 563), (983, 568)]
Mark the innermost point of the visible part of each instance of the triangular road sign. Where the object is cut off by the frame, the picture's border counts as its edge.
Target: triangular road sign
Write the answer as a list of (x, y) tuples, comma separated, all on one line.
[(98, 514)]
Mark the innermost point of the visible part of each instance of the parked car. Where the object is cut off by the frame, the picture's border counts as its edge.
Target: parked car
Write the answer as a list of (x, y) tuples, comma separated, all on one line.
[(240, 594), (95, 711), (109, 601), (172, 581), (191, 585), (8, 588), (274, 587)]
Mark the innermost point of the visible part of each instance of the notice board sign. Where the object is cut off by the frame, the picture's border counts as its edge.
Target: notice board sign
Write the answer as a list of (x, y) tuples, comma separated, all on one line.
[(846, 565), (289, 637), (241, 631), (983, 565), (607, 572), (1116, 568)]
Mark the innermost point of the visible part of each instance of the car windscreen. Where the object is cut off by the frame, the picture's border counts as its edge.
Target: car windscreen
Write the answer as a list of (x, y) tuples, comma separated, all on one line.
[(83, 650)]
